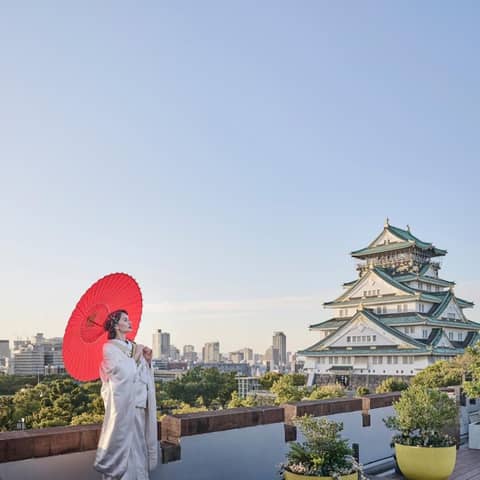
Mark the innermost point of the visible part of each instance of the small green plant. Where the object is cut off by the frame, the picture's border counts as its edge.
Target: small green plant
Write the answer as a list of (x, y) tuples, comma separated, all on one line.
[(391, 385), (237, 402), (362, 390), (325, 392), (323, 453), (423, 414)]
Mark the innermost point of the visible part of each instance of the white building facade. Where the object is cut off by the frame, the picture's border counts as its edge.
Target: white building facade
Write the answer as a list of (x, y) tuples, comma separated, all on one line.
[(397, 318)]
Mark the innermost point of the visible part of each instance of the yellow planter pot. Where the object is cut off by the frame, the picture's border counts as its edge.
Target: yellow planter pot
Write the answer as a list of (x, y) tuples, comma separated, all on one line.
[(296, 476), (424, 463)]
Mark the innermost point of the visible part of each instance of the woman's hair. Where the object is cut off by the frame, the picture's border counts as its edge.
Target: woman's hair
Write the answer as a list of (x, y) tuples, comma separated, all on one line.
[(112, 320)]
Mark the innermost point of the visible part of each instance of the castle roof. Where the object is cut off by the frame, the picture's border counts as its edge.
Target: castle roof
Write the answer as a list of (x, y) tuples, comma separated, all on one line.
[(405, 240)]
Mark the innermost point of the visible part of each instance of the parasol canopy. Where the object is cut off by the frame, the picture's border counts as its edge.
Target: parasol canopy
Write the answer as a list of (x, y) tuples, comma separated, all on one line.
[(85, 335)]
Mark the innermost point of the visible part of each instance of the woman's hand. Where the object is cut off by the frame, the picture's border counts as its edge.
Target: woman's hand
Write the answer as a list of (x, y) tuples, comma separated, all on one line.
[(137, 354), (147, 353)]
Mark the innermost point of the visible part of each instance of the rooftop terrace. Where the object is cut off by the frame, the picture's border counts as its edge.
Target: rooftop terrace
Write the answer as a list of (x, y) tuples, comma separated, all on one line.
[(243, 443)]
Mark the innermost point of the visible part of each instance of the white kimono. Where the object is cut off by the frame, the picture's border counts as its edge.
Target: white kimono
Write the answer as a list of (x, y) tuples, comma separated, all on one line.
[(128, 444)]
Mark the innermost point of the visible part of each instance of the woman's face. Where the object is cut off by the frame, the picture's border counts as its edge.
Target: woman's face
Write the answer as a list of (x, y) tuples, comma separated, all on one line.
[(124, 325)]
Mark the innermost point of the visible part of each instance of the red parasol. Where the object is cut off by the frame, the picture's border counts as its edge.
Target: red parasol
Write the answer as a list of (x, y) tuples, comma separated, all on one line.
[(84, 335)]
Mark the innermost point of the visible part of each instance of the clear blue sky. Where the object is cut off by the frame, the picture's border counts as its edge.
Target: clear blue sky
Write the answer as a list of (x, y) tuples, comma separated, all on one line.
[(229, 155)]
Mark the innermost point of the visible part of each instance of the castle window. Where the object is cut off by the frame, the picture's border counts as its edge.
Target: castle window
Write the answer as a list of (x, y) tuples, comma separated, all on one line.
[(429, 287), (389, 360), (368, 338), (378, 292), (354, 339), (399, 308), (374, 338), (405, 307), (424, 333), (460, 335), (364, 293), (380, 360), (450, 335), (364, 338), (384, 309), (348, 339), (395, 360), (379, 310)]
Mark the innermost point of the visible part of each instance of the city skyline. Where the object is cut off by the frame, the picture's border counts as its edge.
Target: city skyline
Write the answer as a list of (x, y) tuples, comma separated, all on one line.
[(230, 174), (14, 344)]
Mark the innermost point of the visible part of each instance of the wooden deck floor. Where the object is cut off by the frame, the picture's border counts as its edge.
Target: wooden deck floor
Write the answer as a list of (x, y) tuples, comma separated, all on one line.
[(467, 467)]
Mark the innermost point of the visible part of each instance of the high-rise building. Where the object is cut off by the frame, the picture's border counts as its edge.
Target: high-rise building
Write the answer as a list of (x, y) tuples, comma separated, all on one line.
[(161, 345), (272, 356), (280, 343), (211, 352), (39, 356), (236, 357), (189, 354), (258, 358), (247, 355), (53, 356), (4, 357), (174, 354), (395, 319), (4, 349), (29, 360), (19, 343)]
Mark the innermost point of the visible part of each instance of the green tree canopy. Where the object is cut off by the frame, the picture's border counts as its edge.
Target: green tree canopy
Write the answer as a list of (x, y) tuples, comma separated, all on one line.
[(204, 386), (286, 390), (267, 380), (440, 374)]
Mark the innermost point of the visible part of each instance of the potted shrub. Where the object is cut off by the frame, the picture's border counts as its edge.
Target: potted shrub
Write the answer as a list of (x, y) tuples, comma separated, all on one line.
[(323, 455), (422, 448)]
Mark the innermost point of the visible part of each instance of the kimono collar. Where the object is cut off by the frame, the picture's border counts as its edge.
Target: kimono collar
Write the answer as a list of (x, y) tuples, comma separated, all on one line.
[(126, 347)]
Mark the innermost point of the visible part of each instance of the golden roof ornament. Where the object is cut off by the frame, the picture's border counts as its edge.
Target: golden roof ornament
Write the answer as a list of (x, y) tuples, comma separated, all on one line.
[(387, 222), (408, 228)]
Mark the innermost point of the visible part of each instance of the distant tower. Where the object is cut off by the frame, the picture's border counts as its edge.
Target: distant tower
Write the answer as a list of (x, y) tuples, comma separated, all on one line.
[(280, 343), (161, 344), (211, 352)]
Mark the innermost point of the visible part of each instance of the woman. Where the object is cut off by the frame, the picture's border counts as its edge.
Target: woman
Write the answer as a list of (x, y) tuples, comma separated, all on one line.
[(128, 443)]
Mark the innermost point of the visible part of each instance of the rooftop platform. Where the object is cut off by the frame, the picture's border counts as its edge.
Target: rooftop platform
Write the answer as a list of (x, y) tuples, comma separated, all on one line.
[(238, 444)]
